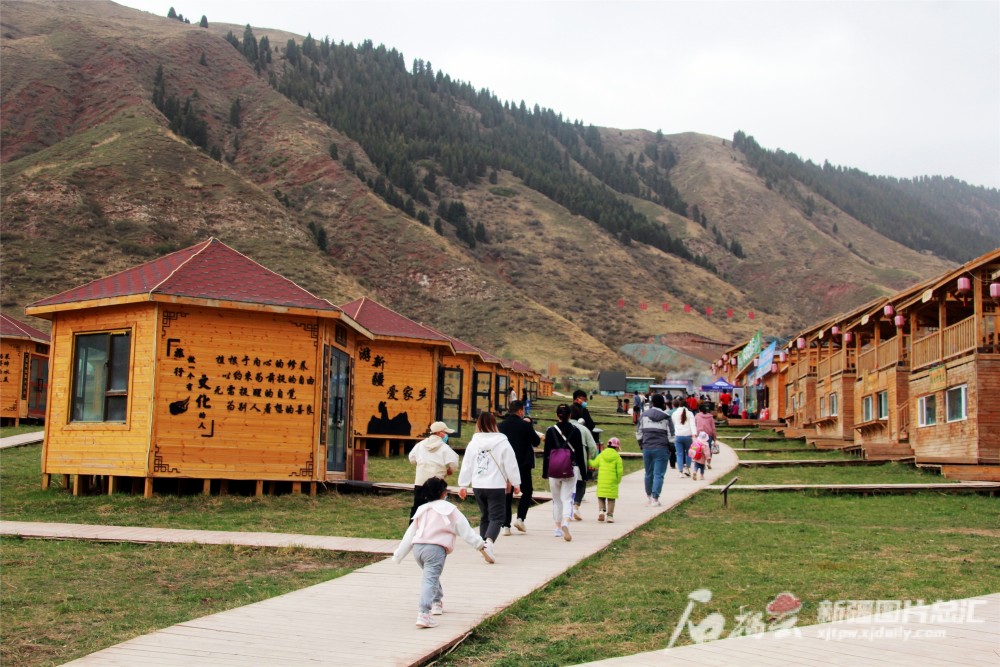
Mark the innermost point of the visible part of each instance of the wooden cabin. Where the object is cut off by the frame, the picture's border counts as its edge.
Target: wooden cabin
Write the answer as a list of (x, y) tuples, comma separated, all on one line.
[(402, 383), (546, 386), (478, 369), (953, 329), (199, 365), (24, 371)]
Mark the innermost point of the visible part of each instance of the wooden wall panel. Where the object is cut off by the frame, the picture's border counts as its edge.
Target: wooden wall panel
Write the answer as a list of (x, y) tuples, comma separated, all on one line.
[(395, 388), (239, 395), (97, 448), (975, 439), (12, 353)]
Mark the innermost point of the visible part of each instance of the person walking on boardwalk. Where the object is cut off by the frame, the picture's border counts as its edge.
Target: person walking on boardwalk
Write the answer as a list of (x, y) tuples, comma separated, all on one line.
[(562, 461), (590, 450), (609, 475), (580, 414), (490, 468), (433, 458), (684, 432), (431, 537), (520, 432), (704, 422), (653, 435)]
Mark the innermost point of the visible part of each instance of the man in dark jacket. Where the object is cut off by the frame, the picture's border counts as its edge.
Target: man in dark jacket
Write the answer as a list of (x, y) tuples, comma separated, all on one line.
[(654, 436), (520, 431)]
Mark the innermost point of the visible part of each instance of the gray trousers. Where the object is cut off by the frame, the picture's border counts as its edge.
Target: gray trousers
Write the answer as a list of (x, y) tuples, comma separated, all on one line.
[(431, 558)]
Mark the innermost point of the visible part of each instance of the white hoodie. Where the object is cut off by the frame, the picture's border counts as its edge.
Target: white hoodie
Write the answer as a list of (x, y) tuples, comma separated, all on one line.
[(433, 458), (479, 468)]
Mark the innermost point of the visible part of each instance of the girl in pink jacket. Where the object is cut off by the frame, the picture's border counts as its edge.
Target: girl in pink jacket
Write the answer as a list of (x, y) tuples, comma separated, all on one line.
[(431, 537)]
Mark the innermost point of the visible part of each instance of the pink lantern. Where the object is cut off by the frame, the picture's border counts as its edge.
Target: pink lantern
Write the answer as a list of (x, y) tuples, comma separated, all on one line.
[(774, 368), (755, 361), (964, 285), (848, 337), (783, 357), (732, 362), (801, 343), (900, 320), (835, 330), (889, 310), (995, 290), (725, 357)]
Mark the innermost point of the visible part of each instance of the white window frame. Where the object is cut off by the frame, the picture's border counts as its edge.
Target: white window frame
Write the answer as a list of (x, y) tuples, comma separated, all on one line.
[(922, 412), (961, 391), (822, 406), (867, 409), (834, 405)]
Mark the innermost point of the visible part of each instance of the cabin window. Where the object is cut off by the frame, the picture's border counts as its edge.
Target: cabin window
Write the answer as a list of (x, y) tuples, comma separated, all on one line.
[(822, 406), (867, 412), (883, 404), (927, 410), (834, 407), (955, 399), (100, 376)]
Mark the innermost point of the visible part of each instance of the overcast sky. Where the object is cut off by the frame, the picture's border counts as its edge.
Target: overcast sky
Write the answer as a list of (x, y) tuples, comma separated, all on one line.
[(901, 88)]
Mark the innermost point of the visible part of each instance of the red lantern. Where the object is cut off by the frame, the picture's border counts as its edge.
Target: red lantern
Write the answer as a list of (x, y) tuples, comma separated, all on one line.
[(801, 343), (900, 320), (848, 337), (835, 330), (889, 310), (964, 285), (725, 357), (783, 356)]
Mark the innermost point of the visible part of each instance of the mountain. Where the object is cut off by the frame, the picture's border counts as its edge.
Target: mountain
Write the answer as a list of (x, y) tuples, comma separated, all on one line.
[(126, 136)]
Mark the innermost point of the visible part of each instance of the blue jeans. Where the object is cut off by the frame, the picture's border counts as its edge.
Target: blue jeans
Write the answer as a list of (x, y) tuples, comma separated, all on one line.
[(431, 558), (683, 444), (655, 463)]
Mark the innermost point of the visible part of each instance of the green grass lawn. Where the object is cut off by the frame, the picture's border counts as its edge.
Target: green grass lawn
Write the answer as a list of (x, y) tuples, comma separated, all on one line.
[(628, 598), (60, 600)]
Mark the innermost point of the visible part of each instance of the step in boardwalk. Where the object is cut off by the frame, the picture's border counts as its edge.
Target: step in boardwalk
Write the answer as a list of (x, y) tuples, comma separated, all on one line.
[(367, 617), (959, 632)]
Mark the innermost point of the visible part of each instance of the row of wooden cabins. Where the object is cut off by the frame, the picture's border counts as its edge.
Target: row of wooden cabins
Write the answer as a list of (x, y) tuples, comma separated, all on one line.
[(915, 374), (204, 366)]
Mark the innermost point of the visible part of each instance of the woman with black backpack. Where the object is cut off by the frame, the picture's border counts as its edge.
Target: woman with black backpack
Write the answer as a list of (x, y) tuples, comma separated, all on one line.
[(563, 461)]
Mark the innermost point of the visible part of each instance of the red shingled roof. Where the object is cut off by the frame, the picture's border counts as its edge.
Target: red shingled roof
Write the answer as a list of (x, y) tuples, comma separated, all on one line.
[(383, 321), (210, 270), (11, 328)]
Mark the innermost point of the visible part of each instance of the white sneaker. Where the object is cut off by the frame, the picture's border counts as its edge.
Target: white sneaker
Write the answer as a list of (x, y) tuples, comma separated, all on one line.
[(600, 517), (425, 621), (566, 535), (520, 525), (557, 532), (487, 552), (506, 530), (437, 608), (611, 518), (656, 503)]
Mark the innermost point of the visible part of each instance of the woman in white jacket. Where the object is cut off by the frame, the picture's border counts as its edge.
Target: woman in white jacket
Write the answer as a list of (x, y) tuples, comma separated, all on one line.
[(489, 467), (684, 432)]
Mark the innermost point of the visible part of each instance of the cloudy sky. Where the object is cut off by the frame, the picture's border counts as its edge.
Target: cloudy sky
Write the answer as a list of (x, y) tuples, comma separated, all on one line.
[(901, 88)]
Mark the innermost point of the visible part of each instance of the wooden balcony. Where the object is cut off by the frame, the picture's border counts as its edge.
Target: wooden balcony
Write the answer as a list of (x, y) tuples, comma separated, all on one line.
[(957, 340)]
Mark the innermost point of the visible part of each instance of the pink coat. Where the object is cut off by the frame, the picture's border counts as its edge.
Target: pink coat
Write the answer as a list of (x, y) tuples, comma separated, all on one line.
[(703, 421)]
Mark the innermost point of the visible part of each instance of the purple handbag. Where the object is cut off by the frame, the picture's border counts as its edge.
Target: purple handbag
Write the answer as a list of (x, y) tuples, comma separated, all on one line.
[(561, 460)]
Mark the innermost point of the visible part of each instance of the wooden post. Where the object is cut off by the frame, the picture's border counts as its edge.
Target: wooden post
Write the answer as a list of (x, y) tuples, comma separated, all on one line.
[(66, 482), (312, 489), (148, 490), (296, 488), (260, 488), (206, 487), (76, 484), (112, 484), (45, 481)]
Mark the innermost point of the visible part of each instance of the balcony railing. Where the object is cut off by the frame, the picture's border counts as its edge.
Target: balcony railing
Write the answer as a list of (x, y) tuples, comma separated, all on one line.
[(866, 361), (953, 341), (927, 350), (888, 352)]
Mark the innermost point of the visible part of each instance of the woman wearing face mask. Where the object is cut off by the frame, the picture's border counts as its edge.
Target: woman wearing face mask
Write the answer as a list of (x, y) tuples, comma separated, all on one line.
[(433, 458)]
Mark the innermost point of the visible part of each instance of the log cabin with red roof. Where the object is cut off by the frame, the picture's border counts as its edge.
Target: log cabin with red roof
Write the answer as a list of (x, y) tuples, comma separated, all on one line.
[(24, 370), (402, 386), (199, 365)]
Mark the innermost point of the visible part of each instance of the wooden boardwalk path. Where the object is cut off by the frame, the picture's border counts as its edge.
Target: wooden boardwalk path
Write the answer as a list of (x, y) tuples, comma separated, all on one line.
[(23, 439), (960, 632), (367, 617), (142, 534), (954, 487)]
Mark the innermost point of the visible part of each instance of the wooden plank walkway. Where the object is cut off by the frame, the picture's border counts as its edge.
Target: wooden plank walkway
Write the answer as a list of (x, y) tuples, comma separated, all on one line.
[(960, 632), (21, 440), (812, 463), (142, 534), (954, 487), (367, 617)]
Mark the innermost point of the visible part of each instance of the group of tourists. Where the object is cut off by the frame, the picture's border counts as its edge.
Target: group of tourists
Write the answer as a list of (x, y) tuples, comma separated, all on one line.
[(497, 466), (673, 436)]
